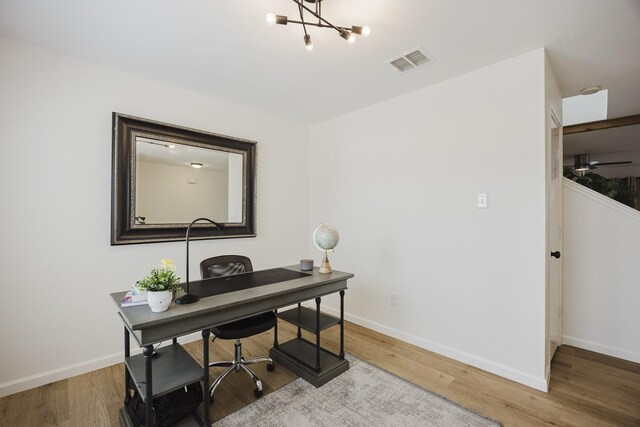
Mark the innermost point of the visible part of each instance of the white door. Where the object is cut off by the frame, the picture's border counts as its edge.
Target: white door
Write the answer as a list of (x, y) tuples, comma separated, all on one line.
[(554, 237)]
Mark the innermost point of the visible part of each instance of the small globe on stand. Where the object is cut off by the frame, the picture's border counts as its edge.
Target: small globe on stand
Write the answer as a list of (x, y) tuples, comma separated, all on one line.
[(325, 238)]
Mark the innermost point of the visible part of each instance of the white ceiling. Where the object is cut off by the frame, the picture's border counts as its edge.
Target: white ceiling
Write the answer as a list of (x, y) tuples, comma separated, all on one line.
[(224, 49), (174, 154)]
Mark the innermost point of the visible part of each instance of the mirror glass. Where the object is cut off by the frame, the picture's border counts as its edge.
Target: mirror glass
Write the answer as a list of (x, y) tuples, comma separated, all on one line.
[(166, 176), (176, 183)]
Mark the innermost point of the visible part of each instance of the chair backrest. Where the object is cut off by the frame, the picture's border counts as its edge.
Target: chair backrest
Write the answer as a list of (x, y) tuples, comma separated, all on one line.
[(224, 265)]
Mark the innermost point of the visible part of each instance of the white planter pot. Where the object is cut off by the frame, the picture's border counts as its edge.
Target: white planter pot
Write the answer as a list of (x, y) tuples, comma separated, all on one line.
[(159, 301)]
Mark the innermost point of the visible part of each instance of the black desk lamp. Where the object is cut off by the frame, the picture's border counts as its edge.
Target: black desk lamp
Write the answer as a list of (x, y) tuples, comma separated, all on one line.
[(188, 298)]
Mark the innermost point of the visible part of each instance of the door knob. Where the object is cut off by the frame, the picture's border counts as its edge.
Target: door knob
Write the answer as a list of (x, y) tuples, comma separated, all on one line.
[(555, 254)]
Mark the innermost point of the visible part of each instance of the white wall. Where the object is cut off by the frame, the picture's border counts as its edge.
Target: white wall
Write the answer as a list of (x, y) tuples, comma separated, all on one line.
[(169, 193), (470, 282), (234, 191), (399, 181), (601, 291), (55, 173)]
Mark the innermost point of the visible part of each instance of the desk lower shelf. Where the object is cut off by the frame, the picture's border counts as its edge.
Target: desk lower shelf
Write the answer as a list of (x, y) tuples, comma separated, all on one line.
[(188, 421), (305, 318), (172, 369), (299, 356)]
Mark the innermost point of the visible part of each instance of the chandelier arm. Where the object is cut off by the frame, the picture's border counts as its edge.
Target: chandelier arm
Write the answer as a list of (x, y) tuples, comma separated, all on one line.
[(299, 3), (304, 26), (291, 21)]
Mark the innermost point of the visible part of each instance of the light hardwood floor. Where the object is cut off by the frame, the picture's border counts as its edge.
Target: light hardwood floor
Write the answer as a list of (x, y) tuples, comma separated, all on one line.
[(587, 389)]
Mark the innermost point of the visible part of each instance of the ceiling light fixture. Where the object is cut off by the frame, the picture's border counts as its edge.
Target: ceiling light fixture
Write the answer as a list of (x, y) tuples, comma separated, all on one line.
[(153, 142), (196, 165), (590, 90), (347, 33)]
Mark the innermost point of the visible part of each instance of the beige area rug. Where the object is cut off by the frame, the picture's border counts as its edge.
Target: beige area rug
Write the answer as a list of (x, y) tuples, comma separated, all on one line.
[(363, 396)]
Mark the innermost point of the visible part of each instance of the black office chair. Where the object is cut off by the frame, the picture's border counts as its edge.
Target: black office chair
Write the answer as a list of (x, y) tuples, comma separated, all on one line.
[(226, 265)]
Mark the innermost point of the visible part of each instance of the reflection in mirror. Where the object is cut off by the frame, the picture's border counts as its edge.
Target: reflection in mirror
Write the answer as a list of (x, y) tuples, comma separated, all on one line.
[(176, 183)]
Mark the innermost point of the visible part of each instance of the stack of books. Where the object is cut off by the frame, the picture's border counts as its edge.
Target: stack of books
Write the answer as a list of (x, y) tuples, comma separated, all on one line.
[(134, 297)]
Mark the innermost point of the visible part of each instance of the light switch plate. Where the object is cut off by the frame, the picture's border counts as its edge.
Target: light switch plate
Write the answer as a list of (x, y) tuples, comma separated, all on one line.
[(483, 202)]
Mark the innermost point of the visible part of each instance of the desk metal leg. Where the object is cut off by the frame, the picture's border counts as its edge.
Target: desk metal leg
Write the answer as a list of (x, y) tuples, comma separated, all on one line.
[(275, 331), (148, 357), (317, 368), (341, 325), (127, 376), (205, 378), (299, 330)]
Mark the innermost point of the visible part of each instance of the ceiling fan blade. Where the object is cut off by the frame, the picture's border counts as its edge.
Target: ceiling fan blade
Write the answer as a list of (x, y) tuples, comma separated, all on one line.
[(583, 162), (613, 163)]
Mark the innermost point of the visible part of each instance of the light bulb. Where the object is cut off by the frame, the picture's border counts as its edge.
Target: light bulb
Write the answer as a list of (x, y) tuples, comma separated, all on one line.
[(366, 30), (271, 18), (348, 36), (308, 44)]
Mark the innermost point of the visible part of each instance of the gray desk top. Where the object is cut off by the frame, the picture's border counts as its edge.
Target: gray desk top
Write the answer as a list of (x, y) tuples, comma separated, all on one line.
[(149, 327)]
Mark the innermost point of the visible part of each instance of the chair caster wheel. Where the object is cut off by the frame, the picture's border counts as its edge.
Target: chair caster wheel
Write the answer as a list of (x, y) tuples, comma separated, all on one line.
[(271, 367), (257, 392)]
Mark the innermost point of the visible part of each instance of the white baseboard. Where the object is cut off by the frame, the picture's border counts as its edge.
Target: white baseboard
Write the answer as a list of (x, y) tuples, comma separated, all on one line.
[(484, 364), (48, 377), (37, 380), (601, 348)]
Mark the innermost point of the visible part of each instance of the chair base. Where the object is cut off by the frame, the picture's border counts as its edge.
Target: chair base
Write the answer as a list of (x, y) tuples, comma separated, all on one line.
[(239, 364)]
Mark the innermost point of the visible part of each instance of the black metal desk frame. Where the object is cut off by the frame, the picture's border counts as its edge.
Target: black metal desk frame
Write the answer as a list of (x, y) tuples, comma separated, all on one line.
[(150, 328)]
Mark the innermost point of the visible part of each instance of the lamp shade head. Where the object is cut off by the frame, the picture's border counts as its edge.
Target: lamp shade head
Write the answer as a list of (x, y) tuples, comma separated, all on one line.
[(363, 31), (348, 36)]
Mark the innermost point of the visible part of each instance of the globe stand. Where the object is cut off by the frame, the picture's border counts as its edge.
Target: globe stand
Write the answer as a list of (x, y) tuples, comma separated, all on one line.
[(325, 267)]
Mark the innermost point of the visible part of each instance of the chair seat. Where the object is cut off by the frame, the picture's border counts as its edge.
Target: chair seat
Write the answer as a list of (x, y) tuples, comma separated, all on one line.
[(246, 327)]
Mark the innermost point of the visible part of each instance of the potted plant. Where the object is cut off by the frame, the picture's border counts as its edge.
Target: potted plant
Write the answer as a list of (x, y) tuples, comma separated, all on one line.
[(160, 285)]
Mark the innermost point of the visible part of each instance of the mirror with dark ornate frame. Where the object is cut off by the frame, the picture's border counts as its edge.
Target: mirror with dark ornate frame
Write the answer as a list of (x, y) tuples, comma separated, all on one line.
[(165, 176)]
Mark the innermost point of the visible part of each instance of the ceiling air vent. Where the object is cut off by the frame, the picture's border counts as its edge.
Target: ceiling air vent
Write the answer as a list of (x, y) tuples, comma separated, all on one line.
[(411, 60)]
